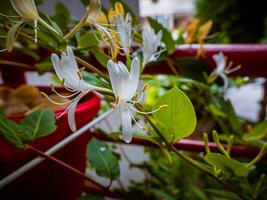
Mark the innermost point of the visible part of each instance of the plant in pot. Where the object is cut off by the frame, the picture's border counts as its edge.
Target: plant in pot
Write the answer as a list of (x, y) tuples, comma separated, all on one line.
[(97, 56)]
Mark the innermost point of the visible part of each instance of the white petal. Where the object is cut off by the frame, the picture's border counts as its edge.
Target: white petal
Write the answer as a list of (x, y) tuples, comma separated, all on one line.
[(71, 111), (114, 77), (220, 61), (72, 60), (225, 80), (126, 122), (57, 66), (134, 77)]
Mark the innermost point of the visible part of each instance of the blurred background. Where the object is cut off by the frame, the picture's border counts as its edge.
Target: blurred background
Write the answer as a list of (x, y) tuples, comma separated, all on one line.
[(238, 21)]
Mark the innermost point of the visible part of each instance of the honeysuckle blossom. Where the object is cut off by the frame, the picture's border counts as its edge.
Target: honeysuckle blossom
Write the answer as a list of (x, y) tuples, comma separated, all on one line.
[(27, 10), (124, 86), (222, 69), (68, 72), (124, 30), (97, 19), (151, 42)]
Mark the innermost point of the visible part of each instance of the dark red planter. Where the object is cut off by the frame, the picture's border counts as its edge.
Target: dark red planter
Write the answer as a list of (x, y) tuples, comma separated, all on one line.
[(48, 180)]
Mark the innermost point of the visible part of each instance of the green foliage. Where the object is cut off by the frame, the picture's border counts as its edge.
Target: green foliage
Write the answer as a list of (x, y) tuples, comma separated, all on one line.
[(88, 40), (38, 124), (93, 80), (178, 120), (234, 18), (257, 133), (62, 16), (228, 166), (102, 159), (101, 57)]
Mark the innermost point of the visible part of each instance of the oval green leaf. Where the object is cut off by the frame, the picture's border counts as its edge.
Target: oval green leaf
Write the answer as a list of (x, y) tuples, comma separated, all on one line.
[(179, 118)]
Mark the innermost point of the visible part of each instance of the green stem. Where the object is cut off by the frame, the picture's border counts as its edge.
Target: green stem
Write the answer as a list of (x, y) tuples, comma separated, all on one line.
[(190, 160), (46, 25), (259, 156), (217, 142), (75, 29)]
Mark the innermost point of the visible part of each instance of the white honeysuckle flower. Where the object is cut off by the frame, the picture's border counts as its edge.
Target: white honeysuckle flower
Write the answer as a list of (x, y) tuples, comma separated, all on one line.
[(97, 19), (69, 74), (222, 69), (151, 42), (28, 11), (124, 30), (124, 86)]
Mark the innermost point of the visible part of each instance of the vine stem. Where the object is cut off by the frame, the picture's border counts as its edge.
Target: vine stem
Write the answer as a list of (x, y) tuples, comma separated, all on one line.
[(75, 29), (74, 170), (190, 160)]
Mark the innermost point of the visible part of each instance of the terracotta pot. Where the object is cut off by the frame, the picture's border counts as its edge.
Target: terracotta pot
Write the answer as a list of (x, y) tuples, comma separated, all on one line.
[(49, 180)]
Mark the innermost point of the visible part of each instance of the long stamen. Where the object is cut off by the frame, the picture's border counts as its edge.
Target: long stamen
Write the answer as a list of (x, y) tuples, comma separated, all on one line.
[(61, 114), (228, 71), (54, 102), (60, 95), (139, 125), (148, 113)]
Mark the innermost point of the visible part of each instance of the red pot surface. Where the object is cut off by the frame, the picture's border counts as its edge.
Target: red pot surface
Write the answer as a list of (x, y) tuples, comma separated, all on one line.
[(48, 180)]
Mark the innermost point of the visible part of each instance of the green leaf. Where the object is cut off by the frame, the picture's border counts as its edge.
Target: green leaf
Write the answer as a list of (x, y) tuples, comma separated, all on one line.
[(166, 35), (227, 165), (257, 133), (62, 16), (102, 159), (38, 124), (179, 117), (46, 65), (11, 131), (92, 196), (100, 56), (89, 78), (88, 40), (192, 68), (223, 193)]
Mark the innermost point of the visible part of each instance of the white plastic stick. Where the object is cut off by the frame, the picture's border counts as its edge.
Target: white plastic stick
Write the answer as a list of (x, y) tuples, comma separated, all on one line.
[(20, 171)]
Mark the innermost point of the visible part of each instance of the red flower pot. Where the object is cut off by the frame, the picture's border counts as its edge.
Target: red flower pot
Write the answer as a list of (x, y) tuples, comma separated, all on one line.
[(49, 180)]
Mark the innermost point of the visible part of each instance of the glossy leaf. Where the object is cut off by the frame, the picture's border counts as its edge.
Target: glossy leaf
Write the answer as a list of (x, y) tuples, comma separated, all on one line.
[(62, 16), (93, 80), (258, 132), (102, 159), (11, 131), (100, 56), (178, 119), (227, 165), (38, 124), (88, 40)]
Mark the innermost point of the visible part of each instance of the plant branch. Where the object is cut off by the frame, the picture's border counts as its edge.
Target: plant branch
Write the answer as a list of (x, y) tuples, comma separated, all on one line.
[(190, 160), (74, 170)]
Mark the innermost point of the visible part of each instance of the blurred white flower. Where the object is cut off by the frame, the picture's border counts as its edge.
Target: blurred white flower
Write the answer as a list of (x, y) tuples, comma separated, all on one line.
[(151, 42), (222, 69), (28, 11), (124, 30)]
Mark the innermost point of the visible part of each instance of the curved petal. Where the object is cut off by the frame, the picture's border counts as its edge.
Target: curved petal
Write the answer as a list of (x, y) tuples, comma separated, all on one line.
[(114, 77), (71, 111), (12, 34), (220, 61), (72, 60), (225, 80), (57, 66), (134, 78), (126, 122)]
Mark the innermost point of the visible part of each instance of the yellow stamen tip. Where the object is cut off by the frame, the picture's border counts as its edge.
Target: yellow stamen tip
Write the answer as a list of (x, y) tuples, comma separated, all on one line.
[(52, 88), (113, 105), (117, 100), (44, 94), (63, 81), (144, 88), (163, 106)]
